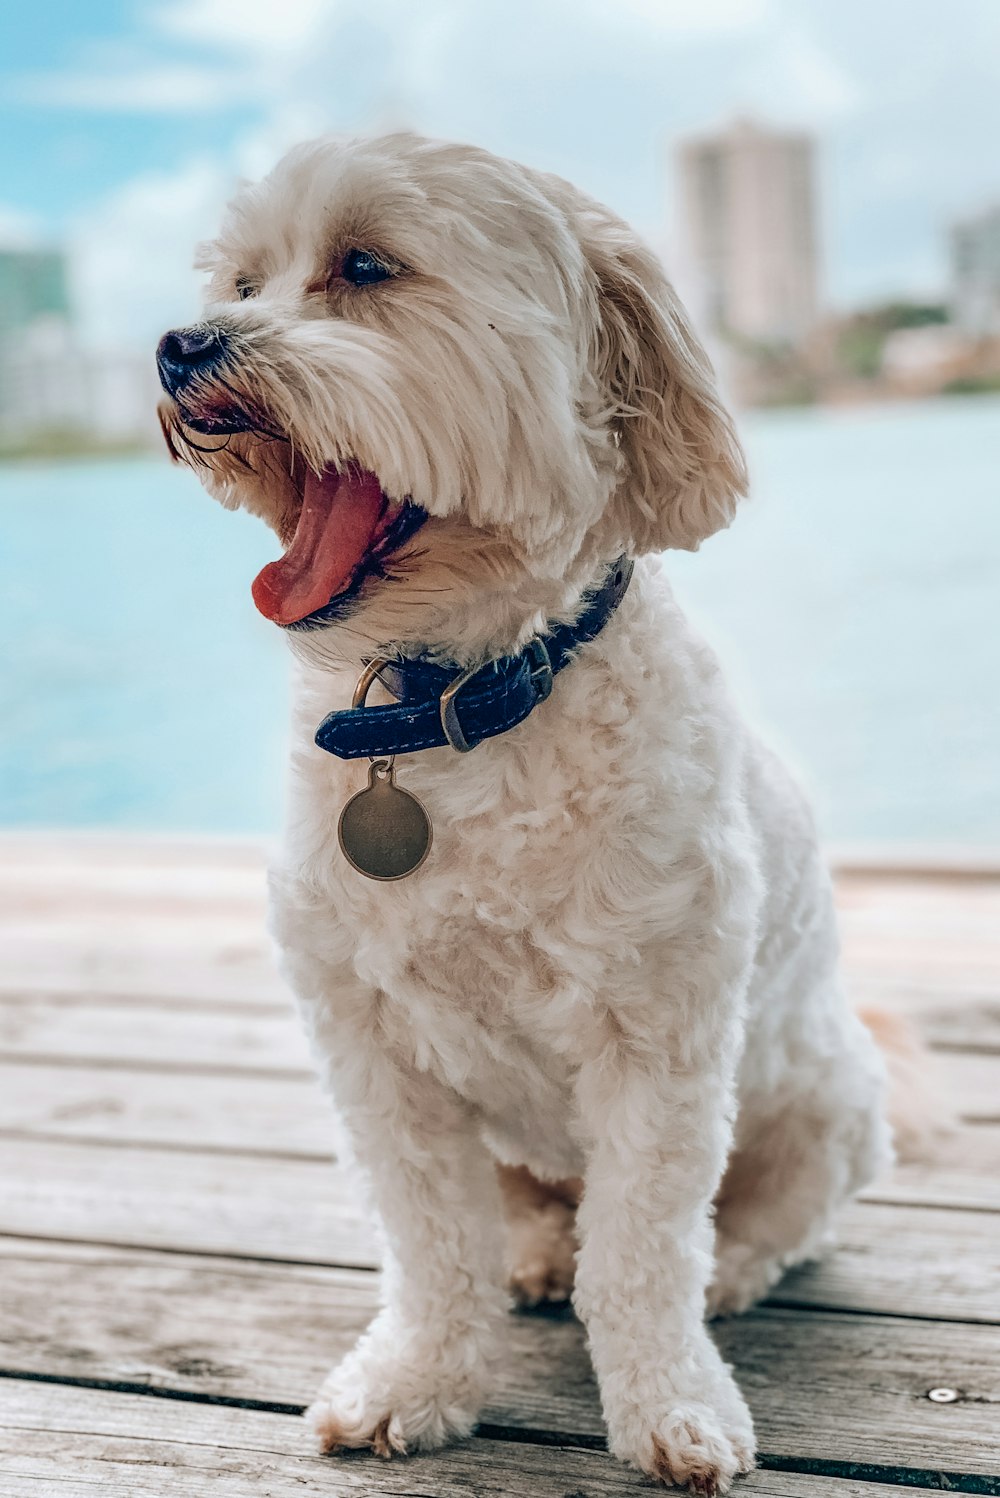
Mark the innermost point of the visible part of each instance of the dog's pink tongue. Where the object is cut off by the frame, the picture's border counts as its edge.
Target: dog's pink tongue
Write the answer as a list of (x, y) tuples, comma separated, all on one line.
[(340, 515)]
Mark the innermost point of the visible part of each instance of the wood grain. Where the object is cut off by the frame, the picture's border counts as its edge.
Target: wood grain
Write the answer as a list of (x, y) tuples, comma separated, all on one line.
[(252, 1114), (304, 1210), (943, 1263), (258, 1111), (195, 1039), (72, 1442), (165, 1151), (834, 1387)]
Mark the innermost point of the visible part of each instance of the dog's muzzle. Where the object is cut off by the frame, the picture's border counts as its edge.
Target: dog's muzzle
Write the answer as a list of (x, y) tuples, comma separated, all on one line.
[(187, 359), (184, 353)]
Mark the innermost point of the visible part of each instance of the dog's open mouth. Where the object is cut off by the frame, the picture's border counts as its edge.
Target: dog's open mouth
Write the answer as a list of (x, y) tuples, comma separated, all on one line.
[(347, 529)]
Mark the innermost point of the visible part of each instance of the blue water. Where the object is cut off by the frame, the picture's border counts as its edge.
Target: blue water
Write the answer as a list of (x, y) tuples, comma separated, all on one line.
[(854, 602)]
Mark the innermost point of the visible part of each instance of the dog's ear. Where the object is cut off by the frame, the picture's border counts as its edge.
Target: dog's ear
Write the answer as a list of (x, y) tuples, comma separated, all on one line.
[(683, 469)]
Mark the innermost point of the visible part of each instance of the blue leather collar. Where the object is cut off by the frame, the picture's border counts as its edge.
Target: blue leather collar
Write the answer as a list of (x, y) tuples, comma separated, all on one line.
[(436, 706)]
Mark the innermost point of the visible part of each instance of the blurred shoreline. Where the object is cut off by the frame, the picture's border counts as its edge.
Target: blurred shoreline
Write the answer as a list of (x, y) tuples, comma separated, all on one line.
[(71, 446)]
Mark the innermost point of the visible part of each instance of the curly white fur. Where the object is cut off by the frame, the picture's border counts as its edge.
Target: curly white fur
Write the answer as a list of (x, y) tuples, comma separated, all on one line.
[(619, 962)]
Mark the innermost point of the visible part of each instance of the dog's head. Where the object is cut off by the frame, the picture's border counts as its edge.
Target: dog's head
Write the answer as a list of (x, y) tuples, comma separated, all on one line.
[(453, 386)]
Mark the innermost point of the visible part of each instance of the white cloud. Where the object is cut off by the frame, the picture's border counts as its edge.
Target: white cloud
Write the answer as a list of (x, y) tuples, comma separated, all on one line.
[(259, 26), (792, 79), (168, 88), (131, 255), (252, 45), (681, 18), (257, 149)]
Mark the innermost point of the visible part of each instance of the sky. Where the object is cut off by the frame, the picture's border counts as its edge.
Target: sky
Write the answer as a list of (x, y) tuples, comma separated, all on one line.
[(124, 124)]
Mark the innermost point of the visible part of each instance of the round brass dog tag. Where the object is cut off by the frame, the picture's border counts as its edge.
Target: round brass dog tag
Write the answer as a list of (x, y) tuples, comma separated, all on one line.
[(384, 832)]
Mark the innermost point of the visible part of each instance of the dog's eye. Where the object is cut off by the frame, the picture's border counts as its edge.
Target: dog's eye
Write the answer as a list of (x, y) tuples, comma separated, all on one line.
[(362, 268), (246, 289)]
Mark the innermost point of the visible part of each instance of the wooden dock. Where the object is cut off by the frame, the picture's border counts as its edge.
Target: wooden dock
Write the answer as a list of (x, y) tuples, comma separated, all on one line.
[(182, 1260)]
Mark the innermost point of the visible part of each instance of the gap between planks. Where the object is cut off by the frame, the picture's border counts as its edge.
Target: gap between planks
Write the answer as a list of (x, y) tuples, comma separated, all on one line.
[(251, 1111), (75, 1440), (155, 1035), (309, 1209)]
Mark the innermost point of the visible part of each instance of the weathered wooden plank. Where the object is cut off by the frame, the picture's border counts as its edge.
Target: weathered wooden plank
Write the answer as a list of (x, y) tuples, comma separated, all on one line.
[(866, 871), (190, 897), (67, 1442), (902, 903), (208, 959), (75, 907), (972, 1083), (969, 1084), (943, 862), (940, 932), (153, 1036), (307, 1211), (151, 930), (930, 946), (947, 1024), (842, 1387), (102, 886), (967, 1174), (262, 1112), (951, 966), (264, 1033), (946, 1018), (894, 1260), (129, 915), (855, 1388), (908, 1261), (175, 965), (216, 1112), (286, 1209), (70, 850)]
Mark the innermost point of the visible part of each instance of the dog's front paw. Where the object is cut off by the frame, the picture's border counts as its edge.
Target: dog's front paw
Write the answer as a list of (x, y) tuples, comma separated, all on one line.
[(691, 1445), (389, 1424), (691, 1449), (393, 1406)]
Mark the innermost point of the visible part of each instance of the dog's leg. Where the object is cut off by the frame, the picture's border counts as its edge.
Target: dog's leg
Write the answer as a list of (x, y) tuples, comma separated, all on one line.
[(420, 1372), (541, 1234), (812, 1147), (661, 1132)]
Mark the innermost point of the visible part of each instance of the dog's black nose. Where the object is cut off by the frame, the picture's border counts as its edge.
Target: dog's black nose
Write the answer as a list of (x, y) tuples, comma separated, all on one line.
[(184, 352)]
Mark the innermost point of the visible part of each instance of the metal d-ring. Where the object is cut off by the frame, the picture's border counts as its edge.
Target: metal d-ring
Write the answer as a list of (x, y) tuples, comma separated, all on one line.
[(365, 682), (367, 677)]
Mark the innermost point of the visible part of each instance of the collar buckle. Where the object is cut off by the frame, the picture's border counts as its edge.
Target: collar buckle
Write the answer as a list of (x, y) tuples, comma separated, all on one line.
[(539, 673), (450, 725), (540, 669)]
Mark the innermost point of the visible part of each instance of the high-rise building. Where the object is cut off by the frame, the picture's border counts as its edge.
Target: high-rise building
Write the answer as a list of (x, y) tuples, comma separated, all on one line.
[(50, 380), (975, 273), (749, 221), (32, 285)]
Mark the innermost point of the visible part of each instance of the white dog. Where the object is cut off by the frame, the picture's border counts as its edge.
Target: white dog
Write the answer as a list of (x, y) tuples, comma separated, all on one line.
[(463, 394)]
